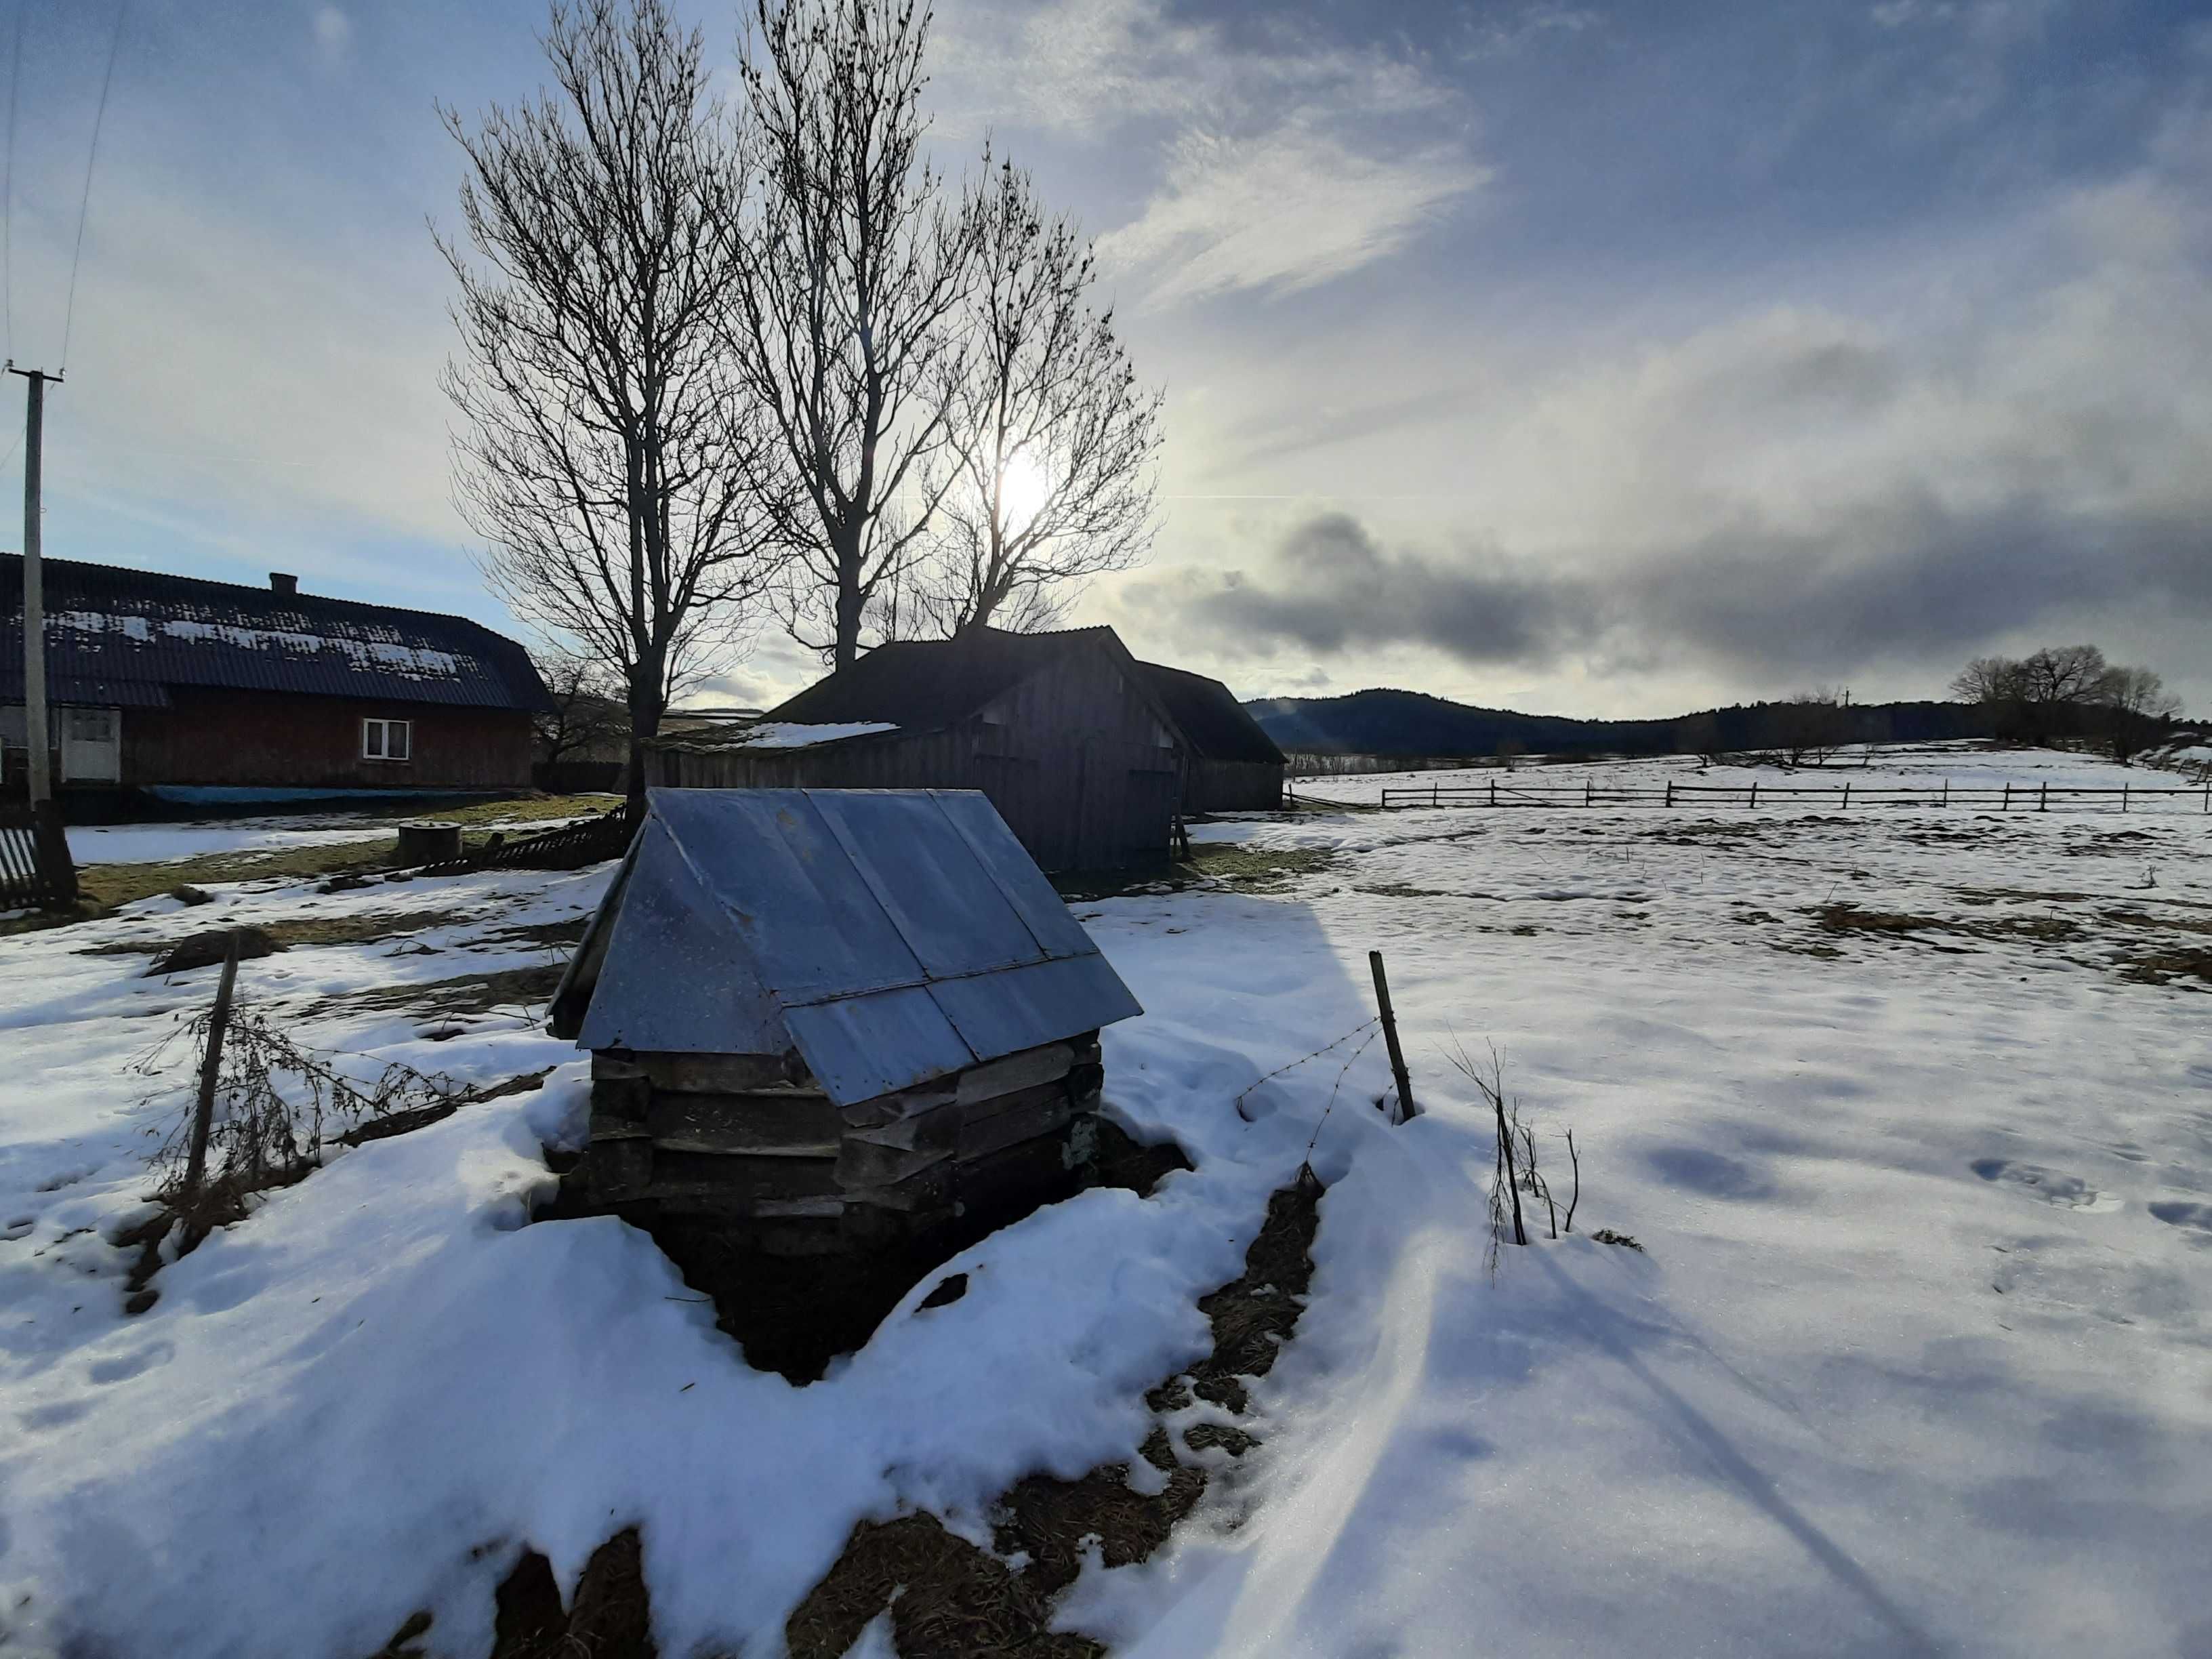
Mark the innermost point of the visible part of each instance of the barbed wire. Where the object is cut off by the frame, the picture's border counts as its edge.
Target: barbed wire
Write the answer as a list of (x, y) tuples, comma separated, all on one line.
[(1239, 1102)]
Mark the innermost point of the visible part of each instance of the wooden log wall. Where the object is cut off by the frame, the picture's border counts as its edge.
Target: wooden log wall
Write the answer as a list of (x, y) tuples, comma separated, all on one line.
[(750, 1141)]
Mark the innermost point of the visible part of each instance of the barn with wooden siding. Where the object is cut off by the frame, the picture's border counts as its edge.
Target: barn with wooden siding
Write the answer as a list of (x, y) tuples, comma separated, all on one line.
[(1066, 733), (1230, 764), (826, 1022)]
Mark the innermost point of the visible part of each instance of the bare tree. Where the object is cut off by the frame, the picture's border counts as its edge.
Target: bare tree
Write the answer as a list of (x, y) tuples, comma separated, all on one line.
[(1807, 727), (589, 708), (2135, 704), (848, 331), (1053, 439), (606, 454), (1698, 735)]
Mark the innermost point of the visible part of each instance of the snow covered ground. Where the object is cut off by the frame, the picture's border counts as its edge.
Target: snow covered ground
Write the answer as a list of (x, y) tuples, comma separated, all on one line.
[(1911, 1111)]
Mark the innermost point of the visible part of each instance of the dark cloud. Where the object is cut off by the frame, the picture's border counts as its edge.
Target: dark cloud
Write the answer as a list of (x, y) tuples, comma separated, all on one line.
[(1334, 587), (1905, 580)]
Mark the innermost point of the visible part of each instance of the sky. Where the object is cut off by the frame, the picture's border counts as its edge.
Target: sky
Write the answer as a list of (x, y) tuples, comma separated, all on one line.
[(1605, 359)]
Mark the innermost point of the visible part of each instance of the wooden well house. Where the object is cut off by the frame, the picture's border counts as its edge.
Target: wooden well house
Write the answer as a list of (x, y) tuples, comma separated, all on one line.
[(827, 1019)]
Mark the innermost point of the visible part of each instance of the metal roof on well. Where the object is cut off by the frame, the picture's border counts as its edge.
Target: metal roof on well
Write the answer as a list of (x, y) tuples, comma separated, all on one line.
[(889, 935)]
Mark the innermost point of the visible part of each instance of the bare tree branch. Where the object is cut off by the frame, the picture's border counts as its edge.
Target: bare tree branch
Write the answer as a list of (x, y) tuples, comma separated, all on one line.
[(607, 449), (847, 332), (1052, 476)]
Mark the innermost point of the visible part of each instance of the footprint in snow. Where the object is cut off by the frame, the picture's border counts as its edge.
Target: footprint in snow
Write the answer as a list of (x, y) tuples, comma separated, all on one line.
[(123, 1367), (2191, 1217), (2066, 1192)]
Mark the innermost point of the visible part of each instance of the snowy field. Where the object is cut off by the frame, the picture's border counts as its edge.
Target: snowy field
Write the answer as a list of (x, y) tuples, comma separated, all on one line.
[(1912, 1112), (1968, 765)]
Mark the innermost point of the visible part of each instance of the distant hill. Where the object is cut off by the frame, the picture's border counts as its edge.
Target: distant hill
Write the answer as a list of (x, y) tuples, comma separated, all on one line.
[(1412, 724)]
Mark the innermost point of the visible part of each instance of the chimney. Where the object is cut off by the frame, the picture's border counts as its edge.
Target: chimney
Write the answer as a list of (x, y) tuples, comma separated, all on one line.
[(281, 581)]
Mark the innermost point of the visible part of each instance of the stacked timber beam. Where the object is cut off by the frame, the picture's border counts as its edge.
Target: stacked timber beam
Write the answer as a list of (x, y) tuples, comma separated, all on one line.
[(752, 1144)]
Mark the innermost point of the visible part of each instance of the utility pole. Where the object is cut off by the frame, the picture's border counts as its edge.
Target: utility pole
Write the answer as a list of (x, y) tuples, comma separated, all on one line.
[(34, 598)]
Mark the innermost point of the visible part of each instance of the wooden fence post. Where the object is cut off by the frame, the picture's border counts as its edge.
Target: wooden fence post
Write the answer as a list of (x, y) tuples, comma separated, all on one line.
[(210, 1070), (1406, 1107), (2042, 797), (2123, 798), (1493, 793), (1847, 798), (1754, 791), (1670, 792), (2006, 805), (1586, 791), (1946, 801)]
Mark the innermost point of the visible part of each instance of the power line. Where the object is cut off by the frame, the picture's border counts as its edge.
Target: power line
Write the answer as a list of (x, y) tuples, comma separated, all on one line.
[(84, 201), (7, 190)]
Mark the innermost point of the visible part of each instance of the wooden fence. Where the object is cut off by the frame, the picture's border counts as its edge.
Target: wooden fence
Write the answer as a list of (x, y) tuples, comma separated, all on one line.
[(573, 846), (2005, 797), (35, 868)]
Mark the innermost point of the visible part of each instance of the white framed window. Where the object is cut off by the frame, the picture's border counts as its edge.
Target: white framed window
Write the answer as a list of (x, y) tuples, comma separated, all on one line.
[(387, 740)]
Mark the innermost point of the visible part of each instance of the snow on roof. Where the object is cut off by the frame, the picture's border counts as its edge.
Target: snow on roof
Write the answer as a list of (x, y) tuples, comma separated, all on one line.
[(123, 636), (888, 935), (794, 734)]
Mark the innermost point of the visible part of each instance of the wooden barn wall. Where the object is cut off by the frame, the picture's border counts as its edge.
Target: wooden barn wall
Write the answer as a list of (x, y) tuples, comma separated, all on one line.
[(1072, 758), (1226, 786), (283, 739)]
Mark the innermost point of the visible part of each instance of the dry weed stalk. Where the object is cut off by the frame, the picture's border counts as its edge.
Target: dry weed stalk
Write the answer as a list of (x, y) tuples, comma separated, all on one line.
[(1517, 1169), (279, 1106)]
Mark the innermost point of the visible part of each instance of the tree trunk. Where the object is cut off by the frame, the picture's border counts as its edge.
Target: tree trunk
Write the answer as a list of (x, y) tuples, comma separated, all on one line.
[(851, 602), (647, 704)]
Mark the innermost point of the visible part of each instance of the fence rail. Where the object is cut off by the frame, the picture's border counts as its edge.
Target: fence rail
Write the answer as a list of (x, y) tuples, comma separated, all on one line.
[(35, 868), (571, 847), (2004, 798)]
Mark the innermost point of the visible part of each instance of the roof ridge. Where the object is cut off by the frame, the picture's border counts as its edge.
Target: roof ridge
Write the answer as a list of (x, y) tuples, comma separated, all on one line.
[(50, 564)]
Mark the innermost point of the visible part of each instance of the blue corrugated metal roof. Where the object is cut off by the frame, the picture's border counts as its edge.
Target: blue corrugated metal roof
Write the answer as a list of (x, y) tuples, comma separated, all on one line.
[(120, 637), (889, 936)]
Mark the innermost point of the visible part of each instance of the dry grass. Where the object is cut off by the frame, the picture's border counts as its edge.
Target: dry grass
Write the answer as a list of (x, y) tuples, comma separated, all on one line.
[(106, 886)]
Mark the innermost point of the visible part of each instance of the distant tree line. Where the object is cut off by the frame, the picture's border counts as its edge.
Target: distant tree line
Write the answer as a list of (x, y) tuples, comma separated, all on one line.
[(2061, 694), (2069, 691), (732, 363)]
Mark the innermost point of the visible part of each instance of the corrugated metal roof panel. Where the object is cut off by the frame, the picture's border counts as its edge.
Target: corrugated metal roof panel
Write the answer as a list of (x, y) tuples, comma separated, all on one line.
[(891, 936), (810, 925), (1014, 872), (861, 1046), (952, 915), (669, 973), (1038, 1002)]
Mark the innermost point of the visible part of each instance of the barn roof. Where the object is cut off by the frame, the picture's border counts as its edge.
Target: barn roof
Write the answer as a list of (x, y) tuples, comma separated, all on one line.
[(1217, 726), (889, 936), (922, 684), (123, 637)]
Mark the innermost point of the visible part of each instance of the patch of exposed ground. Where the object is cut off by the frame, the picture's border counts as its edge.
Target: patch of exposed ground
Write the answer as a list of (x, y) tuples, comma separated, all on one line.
[(950, 1600), (106, 886), (350, 927), (1850, 918), (1241, 868), (468, 993)]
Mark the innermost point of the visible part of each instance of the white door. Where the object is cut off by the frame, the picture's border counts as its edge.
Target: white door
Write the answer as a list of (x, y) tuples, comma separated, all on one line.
[(91, 745)]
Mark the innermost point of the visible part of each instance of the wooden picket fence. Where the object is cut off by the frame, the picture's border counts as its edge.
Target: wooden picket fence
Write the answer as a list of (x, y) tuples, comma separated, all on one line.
[(35, 867), (2005, 797)]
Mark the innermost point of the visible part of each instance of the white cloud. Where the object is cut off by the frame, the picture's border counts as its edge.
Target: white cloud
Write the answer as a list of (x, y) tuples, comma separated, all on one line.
[(333, 34), (1285, 159), (1284, 210)]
